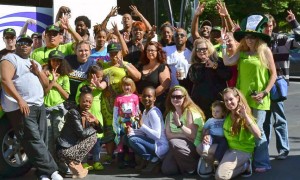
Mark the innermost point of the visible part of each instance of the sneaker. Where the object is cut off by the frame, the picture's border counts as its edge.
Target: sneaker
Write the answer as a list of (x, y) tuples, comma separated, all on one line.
[(56, 176), (98, 166), (107, 159), (43, 177), (87, 166), (248, 169), (282, 156), (154, 159)]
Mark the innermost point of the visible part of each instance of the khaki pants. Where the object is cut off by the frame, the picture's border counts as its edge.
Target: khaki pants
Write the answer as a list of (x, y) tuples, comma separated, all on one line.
[(232, 164)]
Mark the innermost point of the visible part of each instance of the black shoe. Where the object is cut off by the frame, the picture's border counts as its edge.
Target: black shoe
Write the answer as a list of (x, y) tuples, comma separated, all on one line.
[(282, 156)]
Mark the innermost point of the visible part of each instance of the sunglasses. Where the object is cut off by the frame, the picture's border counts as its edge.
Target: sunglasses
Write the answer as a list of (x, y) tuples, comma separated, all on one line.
[(52, 33), (180, 35), (9, 37), (201, 49), (22, 43), (177, 97), (250, 37)]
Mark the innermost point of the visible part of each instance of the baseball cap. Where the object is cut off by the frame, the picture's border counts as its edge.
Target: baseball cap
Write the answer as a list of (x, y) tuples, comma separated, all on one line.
[(9, 31), (56, 54), (52, 28), (114, 47), (206, 23), (24, 37)]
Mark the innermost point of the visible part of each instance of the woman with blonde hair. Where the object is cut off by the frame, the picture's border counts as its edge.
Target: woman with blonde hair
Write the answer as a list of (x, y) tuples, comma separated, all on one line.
[(256, 76), (207, 75), (184, 122), (240, 130)]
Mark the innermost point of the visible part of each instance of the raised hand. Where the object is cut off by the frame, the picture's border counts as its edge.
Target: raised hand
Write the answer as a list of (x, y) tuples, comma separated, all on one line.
[(200, 8), (113, 11), (221, 8), (290, 16), (95, 81), (134, 10), (34, 68), (64, 22), (115, 28)]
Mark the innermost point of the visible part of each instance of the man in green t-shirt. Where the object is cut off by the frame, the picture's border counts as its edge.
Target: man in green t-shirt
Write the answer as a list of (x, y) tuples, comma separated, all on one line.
[(52, 40)]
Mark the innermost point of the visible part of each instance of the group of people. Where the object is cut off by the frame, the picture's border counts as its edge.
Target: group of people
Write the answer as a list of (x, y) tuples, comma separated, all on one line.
[(174, 104)]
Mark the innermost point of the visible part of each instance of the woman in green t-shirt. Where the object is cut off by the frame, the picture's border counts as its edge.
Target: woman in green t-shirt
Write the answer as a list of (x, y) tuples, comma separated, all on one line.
[(184, 122), (240, 130)]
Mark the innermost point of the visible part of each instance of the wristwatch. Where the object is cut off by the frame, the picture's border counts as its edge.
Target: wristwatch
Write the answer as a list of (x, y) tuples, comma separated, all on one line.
[(180, 126)]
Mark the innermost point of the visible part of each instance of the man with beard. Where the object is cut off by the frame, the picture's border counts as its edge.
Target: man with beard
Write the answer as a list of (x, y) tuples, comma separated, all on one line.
[(205, 27), (9, 38), (53, 36), (178, 56), (22, 99)]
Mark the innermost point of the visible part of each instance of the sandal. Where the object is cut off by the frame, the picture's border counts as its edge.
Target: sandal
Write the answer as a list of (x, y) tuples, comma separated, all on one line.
[(260, 170)]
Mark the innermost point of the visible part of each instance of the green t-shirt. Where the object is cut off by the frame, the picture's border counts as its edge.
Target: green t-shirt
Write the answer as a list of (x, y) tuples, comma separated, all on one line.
[(53, 97), (41, 54), (96, 105), (244, 141), (253, 76), (197, 118)]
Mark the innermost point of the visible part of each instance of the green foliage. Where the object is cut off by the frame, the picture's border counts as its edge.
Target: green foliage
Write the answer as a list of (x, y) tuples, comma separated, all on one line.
[(238, 9)]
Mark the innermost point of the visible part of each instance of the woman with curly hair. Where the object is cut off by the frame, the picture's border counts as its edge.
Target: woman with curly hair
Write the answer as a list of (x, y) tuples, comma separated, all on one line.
[(153, 71), (184, 123)]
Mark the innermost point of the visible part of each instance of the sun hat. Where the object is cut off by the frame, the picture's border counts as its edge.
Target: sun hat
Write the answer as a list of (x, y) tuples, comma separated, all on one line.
[(254, 25)]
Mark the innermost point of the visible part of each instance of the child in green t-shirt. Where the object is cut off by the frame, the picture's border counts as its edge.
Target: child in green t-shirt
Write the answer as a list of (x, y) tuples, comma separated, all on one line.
[(56, 93), (96, 82)]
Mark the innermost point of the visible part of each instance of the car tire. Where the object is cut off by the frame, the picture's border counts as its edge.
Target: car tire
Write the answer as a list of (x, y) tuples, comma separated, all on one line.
[(13, 160)]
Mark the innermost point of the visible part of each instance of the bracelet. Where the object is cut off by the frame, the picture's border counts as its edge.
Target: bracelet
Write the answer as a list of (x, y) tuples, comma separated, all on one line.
[(223, 46), (180, 126), (265, 93), (215, 65)]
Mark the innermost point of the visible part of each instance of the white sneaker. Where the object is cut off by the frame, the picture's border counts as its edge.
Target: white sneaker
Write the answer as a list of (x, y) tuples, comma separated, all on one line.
[(44, 177), (56, 176)]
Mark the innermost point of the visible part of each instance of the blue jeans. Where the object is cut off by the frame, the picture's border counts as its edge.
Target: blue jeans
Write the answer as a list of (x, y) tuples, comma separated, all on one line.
[(96, 150), (261, 151), (141, 146), (31, 131), (280, 127)]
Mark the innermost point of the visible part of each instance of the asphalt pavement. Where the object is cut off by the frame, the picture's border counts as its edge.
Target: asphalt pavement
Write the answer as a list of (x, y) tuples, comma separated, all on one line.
[(287, 169)]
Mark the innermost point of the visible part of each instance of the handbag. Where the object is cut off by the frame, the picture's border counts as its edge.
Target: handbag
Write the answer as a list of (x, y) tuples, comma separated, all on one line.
[(279, 90), (204, 169)]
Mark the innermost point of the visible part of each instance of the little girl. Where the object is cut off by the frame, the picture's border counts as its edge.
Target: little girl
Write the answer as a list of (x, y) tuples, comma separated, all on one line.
[(56, 93), (126, 108), (213, 128), (96, 82)]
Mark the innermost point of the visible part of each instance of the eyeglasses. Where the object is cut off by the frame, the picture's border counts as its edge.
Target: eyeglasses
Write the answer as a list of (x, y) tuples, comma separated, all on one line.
[(52, 33), (151, 50), (201, 49), (9, 37), (179, 35), (177, 97), (22, 43), (250, 37)]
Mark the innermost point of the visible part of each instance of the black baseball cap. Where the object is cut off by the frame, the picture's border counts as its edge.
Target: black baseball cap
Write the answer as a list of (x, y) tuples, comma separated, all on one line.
[(9, 31), (206, 23), (114, 47), (24, 37), (56, 54)]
